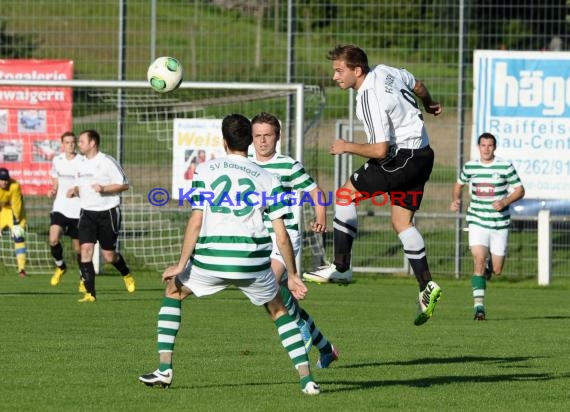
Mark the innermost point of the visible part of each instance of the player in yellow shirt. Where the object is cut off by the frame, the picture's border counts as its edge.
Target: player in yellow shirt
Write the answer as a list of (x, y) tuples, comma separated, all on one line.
[(13, 216)]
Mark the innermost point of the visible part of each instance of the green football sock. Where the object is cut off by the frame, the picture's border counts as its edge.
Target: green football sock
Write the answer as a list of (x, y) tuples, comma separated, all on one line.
[(479, 284), (291, 340), (169, 318), (290, 303)]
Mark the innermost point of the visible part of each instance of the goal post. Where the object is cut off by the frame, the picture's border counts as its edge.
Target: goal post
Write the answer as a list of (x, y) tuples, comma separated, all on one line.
[(112, 96)]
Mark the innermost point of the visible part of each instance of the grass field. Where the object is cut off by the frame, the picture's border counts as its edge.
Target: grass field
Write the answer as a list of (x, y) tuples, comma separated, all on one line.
[(60, 355)]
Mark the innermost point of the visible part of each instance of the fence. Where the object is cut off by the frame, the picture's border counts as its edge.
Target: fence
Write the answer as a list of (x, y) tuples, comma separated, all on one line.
[(275, 42)]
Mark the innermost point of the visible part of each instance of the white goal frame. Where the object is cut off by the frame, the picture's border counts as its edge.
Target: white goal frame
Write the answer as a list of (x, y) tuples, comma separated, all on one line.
[(298, 90)]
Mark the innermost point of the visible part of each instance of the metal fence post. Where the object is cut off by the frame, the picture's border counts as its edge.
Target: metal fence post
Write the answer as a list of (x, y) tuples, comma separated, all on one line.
[(544, 248)]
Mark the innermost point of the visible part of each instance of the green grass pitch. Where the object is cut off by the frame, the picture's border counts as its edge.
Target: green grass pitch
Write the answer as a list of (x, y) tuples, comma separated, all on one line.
[(59, 355)]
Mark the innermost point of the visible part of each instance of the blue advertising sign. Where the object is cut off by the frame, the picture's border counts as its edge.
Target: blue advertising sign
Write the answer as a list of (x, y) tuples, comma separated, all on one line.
[(523, 98)]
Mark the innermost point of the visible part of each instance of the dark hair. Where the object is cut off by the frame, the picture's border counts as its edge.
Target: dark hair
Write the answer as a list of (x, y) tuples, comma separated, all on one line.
[(353, 56), (268, 118), (92, 135), (487, 135), (236, 131), (4, 174), (67, 134)]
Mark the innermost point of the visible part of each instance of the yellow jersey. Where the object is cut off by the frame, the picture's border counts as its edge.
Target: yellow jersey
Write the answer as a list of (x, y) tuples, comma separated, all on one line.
[(11, 198)]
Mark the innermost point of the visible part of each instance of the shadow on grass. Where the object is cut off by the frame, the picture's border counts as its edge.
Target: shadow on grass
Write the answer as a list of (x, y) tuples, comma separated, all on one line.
[(439, 380), (522, 318), (34, 293), (432, 361), (351, 385)]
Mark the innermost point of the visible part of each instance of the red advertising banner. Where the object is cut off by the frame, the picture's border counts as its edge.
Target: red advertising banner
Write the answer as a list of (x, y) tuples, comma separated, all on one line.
[(32, 120)]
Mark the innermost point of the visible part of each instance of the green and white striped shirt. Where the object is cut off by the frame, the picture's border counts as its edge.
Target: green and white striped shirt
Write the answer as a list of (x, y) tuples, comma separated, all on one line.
[(489, 182), (234, 242), (293, 177)]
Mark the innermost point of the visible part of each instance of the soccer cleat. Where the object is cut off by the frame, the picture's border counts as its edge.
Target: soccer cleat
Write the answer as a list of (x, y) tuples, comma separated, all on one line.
[(479, 313), (325, 274), (311, 388), (22, 274), (129, 282), (57, 274), (427, 300), (87, 298), (82, 286), (326, 359), (306, 335), (157, 378)]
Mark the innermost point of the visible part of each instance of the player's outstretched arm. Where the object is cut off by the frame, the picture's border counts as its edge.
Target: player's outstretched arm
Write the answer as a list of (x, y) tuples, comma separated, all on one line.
[(54, 185), (191, 234), (430, 105), (319, 199), (296, 286), (17, 204), (456, 197)]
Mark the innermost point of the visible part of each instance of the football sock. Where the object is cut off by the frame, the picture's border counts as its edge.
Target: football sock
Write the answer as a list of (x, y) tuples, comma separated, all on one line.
[(169, 318), (20, 248), (57, 253), (291, 340), (345, 225), (319, 340), (415, 251), (163, 367), (306, 379), (78, 258), (290, 303), (479, 284), (88, 275), (121, 265)]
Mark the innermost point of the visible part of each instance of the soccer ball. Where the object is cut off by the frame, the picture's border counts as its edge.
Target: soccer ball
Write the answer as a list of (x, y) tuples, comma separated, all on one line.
[(165, 74)]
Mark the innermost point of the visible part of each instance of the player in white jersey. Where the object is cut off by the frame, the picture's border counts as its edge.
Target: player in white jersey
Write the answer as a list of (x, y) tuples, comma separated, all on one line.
[(226, 243), (98, 184), (295, 180), (64, 214), (400, 162), (494, 185)]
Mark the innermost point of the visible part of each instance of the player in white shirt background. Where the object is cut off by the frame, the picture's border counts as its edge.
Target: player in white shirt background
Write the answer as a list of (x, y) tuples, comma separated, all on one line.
[(98, 184), (64, 215), (400, 162)]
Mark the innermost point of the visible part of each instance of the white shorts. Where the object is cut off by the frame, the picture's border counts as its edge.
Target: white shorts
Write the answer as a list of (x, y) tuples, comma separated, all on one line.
[(295, 241), (259, 290), (494, 239)]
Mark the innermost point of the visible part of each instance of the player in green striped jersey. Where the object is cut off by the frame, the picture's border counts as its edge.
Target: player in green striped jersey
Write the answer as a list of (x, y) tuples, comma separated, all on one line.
[(494, 185), (266, 134), (227, 244)]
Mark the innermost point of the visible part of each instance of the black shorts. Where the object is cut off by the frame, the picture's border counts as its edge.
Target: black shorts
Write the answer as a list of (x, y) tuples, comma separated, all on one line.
[(401, 177), (68, 225), (100, 226)]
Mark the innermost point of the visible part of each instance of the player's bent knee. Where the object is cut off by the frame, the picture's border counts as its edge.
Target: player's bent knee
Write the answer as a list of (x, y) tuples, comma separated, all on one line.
[(275, 308)]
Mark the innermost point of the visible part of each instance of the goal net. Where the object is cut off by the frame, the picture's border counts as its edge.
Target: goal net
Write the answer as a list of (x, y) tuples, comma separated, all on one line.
[(137, 128)]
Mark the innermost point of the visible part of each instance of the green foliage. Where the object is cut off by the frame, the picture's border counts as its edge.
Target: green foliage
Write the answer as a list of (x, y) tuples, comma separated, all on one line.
[(66, 356), (17, 45)]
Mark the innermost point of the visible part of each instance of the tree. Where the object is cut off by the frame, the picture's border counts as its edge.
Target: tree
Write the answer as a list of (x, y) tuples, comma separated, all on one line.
[(16, 46), (519, 25)]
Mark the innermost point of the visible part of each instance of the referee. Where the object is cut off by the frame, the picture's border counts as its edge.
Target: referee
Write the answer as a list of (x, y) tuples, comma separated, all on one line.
[(99, 183)]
